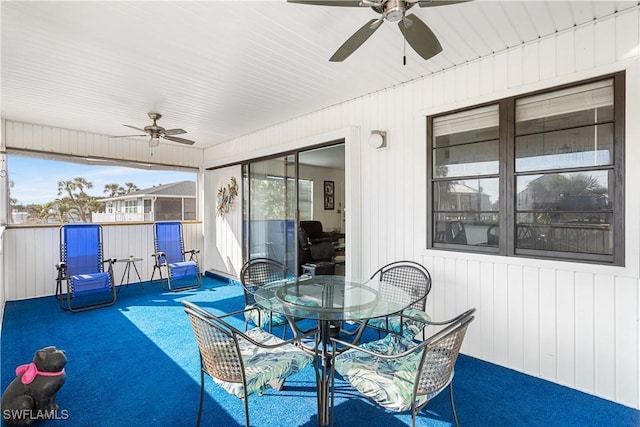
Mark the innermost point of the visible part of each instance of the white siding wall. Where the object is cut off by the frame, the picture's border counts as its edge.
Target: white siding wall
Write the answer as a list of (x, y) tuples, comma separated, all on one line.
[(33, 137), (574, 324), (30, 255), (224, 234)]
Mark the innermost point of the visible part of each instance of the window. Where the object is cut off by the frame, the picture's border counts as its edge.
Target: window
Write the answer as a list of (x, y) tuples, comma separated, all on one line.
[(305, 199), (537, 175), (131, 206)]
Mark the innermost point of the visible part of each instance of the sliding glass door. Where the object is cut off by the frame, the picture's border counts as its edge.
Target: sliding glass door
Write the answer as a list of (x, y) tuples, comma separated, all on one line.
[(270, 209), (281, 191)]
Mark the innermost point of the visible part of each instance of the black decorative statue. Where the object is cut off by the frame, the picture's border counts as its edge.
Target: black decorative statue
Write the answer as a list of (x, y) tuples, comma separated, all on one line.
[(32, 395)]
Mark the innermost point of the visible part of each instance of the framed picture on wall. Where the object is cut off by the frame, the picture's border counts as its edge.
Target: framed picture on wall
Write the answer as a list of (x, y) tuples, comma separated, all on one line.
[(329, 202)]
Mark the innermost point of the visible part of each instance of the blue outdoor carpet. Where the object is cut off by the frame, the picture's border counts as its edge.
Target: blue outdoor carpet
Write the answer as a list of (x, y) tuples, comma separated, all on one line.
[(136, 364)]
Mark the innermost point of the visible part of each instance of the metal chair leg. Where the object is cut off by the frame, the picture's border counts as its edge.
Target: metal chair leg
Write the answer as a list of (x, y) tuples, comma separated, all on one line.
[(201, 396), (246, 410), (453, 405)]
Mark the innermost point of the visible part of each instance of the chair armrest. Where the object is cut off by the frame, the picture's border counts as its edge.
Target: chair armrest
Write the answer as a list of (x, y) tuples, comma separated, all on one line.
[(193, 254), (297, 338), (62, 270), (465, 317), (110, 262), (455, 319), (219, 319)]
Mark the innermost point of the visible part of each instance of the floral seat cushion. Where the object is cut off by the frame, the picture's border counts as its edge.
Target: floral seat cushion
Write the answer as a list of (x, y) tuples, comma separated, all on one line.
[(389, 382), (262, 318), (264, 367), (409, 324)]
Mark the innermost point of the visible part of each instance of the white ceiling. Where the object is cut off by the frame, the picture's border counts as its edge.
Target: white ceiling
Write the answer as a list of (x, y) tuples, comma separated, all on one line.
[(223, 69)]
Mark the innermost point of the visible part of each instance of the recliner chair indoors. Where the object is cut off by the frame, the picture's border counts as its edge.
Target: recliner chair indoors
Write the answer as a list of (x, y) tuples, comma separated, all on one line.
[(317, 257), (316, 234)]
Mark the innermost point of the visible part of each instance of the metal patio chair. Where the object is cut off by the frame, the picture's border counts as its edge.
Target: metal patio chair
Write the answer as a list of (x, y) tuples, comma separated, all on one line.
[(400, 374), (254, 274), (81, 266), (399, 280), (242, 363)]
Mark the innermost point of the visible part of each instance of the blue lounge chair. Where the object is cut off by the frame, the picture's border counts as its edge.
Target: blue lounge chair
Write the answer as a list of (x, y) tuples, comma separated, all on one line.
[(181, 273), (81, 266)]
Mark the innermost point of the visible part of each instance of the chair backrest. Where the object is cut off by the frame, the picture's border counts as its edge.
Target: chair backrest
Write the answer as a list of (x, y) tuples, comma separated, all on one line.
[(218, 345), (440, 354), (81, 248), (312, 228), (401, 278), (456, 233), (258, 272), (167, 236)]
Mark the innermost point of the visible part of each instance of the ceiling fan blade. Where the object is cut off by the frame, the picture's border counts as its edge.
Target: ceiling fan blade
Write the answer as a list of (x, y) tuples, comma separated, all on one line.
[(356, 40), (126, 136), (347, 3), (419, 36), (432, 3), (133, 127), (174, 131), (180, 140)]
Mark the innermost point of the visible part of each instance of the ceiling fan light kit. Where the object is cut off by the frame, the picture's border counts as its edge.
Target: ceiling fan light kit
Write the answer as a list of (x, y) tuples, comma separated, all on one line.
[(414, 30), (154, 141)]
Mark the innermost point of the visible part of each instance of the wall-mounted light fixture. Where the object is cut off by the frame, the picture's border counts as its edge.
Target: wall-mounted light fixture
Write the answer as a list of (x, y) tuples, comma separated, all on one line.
[(378, 139)]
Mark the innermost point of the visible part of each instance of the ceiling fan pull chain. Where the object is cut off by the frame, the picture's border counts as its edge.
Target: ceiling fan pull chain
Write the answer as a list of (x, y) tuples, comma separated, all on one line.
[(404, 51)]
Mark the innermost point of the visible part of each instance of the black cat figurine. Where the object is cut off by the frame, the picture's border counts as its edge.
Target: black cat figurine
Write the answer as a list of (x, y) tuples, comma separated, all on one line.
[(32, 395)]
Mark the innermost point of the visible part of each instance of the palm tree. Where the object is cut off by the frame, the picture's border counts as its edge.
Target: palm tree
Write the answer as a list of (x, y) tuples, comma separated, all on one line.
[(76, 197), (63, 212), (113, 190), (130, 187), (39, 214)]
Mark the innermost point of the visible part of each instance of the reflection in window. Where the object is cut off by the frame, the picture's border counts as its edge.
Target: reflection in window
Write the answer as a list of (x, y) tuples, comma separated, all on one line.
[(465, 176), (584, 147), (272, 194), (562, 131), (552, 158)]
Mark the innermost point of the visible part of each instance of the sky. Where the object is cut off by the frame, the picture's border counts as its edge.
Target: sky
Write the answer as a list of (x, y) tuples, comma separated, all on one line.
[(36, 180)]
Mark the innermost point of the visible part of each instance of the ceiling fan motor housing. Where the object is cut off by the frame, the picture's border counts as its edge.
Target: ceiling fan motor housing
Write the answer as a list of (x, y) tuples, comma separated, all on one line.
[(154, 130), (394, 10)]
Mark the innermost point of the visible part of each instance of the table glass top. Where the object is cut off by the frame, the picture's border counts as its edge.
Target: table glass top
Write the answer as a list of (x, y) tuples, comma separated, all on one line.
[(327, 298)]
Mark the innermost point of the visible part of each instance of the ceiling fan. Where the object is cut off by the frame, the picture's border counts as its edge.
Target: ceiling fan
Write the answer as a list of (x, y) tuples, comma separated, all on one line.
[(414, 30), (156, 132)]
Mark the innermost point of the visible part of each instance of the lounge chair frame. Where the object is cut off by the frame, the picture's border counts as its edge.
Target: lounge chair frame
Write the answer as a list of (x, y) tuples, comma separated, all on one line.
[(78, 271), (171, 255)]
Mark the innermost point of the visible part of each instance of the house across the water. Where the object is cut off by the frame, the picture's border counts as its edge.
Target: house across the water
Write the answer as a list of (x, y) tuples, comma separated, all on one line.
[(167, 202)]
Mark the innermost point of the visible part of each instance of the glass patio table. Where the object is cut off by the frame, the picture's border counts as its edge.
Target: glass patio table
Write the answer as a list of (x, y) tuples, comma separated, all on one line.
[(327, 299)]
